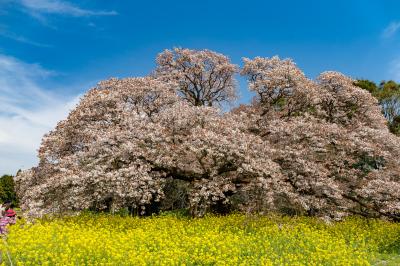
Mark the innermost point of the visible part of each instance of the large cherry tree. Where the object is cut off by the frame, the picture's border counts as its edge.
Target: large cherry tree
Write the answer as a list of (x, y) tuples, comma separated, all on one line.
[(301, 147)]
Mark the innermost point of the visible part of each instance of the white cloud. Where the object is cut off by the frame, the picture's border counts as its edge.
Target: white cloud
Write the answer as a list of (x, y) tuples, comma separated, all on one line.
[(391, 29), (27, 112), (61, 7)]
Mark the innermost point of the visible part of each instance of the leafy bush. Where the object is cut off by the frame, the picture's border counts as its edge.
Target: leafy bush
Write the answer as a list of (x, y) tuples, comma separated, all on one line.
[(7, 190)]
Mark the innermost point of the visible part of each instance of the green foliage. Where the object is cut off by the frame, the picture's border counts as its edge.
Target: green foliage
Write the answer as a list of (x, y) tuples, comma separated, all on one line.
[(367, 85), (179, 213), (388, 89), (388, 95), (385, 90), (395, 125), (368, 163), (7, 190)]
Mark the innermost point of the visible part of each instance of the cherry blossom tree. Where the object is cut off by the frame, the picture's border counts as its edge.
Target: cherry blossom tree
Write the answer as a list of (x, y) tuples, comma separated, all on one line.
[(301, 147), (331, 153), (127, 138), (203, 77)]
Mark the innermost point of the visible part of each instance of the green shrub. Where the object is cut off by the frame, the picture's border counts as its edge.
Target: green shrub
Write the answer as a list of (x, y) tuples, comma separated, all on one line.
[(7, 190)]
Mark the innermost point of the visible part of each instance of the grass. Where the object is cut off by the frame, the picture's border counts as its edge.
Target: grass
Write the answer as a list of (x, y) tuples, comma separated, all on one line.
[(235, 239)]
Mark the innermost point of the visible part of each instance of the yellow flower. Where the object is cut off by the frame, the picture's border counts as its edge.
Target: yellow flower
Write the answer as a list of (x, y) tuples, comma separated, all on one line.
[(214, 240)]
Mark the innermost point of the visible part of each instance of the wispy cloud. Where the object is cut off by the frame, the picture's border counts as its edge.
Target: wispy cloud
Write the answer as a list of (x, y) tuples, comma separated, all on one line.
[(18, 38), (27, 112), (394, 70), (38, 7), (391, 29)]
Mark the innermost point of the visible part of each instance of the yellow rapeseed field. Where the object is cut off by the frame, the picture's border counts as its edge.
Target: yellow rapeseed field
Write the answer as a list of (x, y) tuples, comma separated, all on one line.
[(90, 239)]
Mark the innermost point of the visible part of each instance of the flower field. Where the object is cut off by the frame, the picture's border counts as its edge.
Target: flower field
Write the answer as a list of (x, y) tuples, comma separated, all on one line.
[(214, 240)]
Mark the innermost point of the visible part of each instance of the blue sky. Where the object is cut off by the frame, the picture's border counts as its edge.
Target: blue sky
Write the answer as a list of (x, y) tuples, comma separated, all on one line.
[(52, 51)]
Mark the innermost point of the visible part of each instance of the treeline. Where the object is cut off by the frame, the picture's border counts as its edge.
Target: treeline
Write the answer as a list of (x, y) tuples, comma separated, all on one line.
[(388, 95)]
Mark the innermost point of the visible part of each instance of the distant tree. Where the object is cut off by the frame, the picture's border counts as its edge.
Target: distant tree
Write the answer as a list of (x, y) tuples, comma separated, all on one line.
[(391, 107), (7, 190), (389, 98), (367, 85), (388, 95), (203, 77), (387, 89)]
